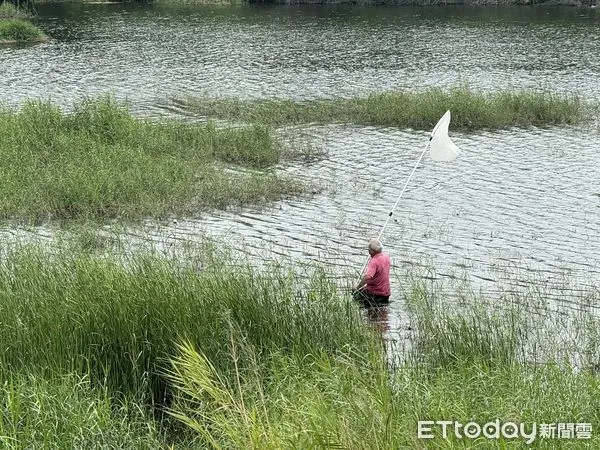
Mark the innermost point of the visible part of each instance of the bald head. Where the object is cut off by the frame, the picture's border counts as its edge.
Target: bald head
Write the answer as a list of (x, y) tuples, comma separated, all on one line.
[(375, 246)]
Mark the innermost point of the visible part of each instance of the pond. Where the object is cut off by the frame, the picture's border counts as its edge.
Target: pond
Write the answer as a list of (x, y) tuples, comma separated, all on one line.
[(518, 205)]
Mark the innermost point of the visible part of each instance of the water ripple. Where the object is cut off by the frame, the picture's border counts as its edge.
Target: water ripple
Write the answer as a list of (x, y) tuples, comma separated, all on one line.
[(151, 54)]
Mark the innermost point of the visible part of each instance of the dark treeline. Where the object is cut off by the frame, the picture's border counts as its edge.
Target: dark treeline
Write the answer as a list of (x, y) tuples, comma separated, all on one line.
[(29, 5)]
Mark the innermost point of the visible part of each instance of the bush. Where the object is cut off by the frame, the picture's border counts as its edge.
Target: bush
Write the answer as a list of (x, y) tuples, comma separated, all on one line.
[(19, 30)]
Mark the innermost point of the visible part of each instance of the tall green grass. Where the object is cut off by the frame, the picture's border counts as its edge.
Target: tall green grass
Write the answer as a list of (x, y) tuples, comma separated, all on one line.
[(478, 334), (19, 31), (325, 400), (466, 364), (67, 412), (98, 161), (274, 358), (118, 323), (470, 110), (352, 401), (537, 324)]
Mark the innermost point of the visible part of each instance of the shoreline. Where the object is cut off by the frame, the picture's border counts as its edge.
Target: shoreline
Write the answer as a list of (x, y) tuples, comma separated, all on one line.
[(15, 41), (587, 4)]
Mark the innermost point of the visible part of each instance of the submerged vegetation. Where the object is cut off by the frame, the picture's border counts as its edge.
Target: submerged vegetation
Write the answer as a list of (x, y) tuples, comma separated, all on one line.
[(470, 110), (98, 161), (205, 351)]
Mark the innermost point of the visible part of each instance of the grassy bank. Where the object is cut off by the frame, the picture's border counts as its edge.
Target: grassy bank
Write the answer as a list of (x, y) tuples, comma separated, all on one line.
[(104, 330), (95, 349), (470, 110), (98, 162), (17, 30)]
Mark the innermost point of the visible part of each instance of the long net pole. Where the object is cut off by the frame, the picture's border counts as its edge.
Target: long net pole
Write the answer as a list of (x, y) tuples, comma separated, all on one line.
[(398, 199)]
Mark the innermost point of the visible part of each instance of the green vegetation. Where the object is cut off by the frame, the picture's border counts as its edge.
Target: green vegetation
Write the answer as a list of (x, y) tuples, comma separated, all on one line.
[(16, 30), (426, 3), (66, 412), (108, 327), (116, 323), (97, 348), (8, 10), (470, 110), (352, 402), (98, 162), (324, 400), (467, 362)]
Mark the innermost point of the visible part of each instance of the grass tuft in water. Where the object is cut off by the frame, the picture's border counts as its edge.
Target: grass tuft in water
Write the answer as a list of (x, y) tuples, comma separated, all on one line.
[(450, 338), (470, 110), (18, 30), (99, 162)]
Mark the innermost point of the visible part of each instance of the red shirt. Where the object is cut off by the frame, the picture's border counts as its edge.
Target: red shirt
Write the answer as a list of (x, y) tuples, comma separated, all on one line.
[(378, 274)]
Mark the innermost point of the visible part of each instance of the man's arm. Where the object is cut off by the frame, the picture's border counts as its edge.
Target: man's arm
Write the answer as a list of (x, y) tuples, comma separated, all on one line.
[(363, 281)]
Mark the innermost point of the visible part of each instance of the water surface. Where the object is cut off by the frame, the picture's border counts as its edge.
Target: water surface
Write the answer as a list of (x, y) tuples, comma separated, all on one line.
[(150, 54)]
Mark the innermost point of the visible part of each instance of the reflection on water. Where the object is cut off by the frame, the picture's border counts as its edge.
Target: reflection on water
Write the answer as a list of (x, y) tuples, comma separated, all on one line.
[(378, 317)]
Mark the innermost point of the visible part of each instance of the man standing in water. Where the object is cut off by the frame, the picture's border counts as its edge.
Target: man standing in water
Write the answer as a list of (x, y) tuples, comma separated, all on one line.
[(374, 286)]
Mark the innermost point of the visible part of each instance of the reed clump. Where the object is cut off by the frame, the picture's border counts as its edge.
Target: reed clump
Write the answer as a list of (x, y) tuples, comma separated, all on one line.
[(450, 337), (325, 400), (17, 30), (98, 161), (470, 110)]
